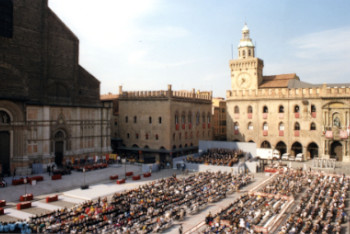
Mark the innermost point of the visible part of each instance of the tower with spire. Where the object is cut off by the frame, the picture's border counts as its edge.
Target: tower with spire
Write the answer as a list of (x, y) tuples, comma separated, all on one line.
[(247, 70)]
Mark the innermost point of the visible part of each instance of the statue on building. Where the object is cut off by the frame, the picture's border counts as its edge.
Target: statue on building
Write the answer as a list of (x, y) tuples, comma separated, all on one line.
[(336, 122)]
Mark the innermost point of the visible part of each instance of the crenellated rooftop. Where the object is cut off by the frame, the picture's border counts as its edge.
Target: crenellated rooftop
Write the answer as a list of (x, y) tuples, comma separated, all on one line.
[(165, 94), (285, 93)]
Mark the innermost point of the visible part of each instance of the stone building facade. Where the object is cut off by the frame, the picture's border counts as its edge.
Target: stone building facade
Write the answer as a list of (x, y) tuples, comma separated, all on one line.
[(50, 109), (282, 112), (155, 126), (219, 119)]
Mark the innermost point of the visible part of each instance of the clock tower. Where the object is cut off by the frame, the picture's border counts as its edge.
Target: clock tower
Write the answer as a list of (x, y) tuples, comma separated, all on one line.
[(246, 71)]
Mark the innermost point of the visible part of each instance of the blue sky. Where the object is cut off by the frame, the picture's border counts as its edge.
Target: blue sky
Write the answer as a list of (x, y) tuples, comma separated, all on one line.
[(147, 44)]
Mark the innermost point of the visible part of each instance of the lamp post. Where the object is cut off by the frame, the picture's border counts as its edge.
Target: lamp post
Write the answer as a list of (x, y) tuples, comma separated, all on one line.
[(124, 161), (84, 186)]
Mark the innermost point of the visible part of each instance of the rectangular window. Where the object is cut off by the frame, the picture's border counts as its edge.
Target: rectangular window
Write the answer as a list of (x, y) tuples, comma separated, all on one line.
[(150, 119), (160, 120), (126, 119), (135, 119)]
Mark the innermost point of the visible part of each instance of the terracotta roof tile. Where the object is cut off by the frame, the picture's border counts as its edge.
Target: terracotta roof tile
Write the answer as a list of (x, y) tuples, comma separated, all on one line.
[(278, 81)]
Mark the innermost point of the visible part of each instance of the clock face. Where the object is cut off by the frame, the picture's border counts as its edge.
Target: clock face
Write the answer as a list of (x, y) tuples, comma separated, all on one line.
[(243, 80)]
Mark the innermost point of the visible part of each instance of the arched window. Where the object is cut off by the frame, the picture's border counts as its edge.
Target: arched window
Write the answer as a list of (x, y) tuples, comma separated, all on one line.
[(150, 119), (250, 126), (208, 118), (249, 53), (135, 119), (236, 126), (265, 126), (176, 118), (236, 110), (296, 109), (296, 126), (250, 109), (160, 120), (281, 109), (4, 118), (183, 118), (6, 18), (189, 117), (313, 108), (146, 136), (157, 137), (312, 126), (265, 109), (197, 118), (281, 126), (243, 53)]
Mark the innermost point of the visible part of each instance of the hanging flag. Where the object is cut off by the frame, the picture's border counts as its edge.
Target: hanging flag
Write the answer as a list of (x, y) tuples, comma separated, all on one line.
[(329, 134), (343, 134)]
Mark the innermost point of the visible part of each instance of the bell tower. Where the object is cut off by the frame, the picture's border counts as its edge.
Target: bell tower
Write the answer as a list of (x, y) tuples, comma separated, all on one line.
[(246, 71)]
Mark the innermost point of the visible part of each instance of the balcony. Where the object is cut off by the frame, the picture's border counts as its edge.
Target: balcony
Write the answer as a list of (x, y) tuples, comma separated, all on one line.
[(265, 132), (208, 125), (297, 115), (281, 133), (203, 125), (177, 126), (281, 115), (190, 125), (313, 114), (236, 132), (250, 115), (236, 116), (265, 115), (183, 126)]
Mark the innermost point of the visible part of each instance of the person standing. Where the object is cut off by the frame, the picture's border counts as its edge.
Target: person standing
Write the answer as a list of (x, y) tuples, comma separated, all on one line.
[(180, 229), (48, 168)]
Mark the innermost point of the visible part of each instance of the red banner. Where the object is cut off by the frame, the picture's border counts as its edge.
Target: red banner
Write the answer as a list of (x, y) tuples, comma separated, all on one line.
[(343, 134), (329, 134)]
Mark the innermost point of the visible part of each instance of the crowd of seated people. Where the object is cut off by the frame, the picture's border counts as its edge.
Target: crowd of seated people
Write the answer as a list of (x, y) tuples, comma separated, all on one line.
[(244, 213), (319, 206), (15, 227), (149, 208), (220, 157), (289, 183)]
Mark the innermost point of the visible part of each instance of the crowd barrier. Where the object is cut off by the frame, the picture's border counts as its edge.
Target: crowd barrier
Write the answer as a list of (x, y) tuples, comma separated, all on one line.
[(26, 197), (129, 173), (56, 177), (121, 181), (147, 174), (136, 177), (51, 198), (24, 205), (2, 203), (113, 177)]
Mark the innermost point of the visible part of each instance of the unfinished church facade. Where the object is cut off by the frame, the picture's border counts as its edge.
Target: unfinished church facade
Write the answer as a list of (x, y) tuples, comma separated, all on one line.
[(50, 109), (282, 112)]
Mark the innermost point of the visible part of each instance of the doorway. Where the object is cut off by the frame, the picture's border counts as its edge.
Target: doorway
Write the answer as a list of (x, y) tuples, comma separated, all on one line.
[(337, 151), (5, 152), (312, 150), (59, 148)]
